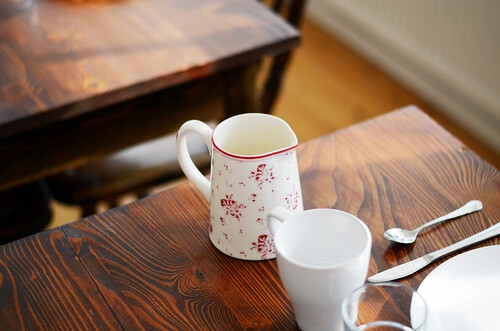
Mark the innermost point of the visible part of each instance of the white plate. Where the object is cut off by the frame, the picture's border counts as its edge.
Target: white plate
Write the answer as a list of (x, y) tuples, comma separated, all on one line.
[(463, 293)]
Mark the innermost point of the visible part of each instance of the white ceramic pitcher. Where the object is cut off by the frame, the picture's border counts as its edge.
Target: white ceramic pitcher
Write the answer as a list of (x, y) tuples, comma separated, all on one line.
[(254, 169)]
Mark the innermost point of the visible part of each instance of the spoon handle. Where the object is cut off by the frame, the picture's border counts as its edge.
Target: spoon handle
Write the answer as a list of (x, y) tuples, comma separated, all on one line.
[(469, 207)]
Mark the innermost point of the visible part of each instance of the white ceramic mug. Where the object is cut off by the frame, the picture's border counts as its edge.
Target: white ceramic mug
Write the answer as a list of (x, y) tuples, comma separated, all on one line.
[(322, 254), (254, 169)]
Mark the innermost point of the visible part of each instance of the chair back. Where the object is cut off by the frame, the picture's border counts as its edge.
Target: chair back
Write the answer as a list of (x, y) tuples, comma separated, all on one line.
[(292, 11)]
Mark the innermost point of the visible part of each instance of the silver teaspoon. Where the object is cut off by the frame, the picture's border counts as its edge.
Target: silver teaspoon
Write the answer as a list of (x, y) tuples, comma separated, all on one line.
[(409, 236)]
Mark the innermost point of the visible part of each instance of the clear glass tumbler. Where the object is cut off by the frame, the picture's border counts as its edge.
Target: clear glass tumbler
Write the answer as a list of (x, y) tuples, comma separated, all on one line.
[(384, 307)]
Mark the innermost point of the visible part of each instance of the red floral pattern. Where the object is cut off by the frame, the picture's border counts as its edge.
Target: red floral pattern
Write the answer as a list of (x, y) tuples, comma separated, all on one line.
[(231, 207), (241, 194), (262, 174), (264, 246), (292, 200)]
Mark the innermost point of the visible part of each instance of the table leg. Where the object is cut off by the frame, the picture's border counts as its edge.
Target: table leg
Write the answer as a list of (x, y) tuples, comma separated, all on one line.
[(241, 90)]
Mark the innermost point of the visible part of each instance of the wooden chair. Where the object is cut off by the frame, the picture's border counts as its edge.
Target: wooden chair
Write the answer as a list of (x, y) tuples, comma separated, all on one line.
[(137, 169)]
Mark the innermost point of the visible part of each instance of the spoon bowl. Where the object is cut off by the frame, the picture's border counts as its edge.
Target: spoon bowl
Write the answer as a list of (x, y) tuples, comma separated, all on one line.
[(409, 236), (401, 236)]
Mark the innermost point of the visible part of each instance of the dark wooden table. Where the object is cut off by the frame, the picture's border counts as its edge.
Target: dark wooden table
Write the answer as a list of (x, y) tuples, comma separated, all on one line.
[(150, 264), (82, 78)]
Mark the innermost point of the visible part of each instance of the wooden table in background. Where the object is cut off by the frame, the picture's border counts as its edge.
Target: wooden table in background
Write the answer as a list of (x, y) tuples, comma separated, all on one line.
[(150, 264), (80, 79)]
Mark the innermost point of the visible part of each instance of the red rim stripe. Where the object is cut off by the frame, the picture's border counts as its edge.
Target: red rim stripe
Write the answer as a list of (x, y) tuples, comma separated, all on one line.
[(252, 157)]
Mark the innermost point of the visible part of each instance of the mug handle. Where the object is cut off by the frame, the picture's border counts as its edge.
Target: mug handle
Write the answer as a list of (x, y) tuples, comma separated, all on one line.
[(185, 161), (276, 217)]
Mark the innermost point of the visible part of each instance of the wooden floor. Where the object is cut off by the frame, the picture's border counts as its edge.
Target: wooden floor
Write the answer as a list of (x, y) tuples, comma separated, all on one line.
[(329, 86)]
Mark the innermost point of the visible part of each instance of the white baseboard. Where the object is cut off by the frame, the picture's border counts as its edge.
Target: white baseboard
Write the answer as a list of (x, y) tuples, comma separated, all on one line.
[(476, 114)]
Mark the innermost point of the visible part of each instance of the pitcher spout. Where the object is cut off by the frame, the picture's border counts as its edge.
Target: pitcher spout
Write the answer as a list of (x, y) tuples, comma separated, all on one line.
[(253, 136)]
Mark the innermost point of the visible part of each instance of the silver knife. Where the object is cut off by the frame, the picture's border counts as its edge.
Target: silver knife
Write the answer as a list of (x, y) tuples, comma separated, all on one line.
[(408, 268)]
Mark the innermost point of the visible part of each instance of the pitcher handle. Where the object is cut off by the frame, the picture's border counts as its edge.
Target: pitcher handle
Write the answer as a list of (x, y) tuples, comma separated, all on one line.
[(185, 161), (276, 217)]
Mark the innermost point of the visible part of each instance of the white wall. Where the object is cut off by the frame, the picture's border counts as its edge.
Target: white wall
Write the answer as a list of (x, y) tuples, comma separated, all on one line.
[(446, 50)]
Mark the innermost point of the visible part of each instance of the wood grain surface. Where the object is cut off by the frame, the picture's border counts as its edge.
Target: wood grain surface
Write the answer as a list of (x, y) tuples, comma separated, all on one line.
[(150, 264), (44, 286), (76, 141), (401, 170), (64, 58), (82, 79)]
